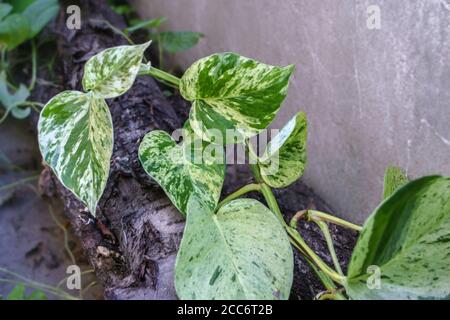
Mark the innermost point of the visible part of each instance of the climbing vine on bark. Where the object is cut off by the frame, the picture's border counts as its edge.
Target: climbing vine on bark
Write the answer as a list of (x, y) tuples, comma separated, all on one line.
[(241, 248)]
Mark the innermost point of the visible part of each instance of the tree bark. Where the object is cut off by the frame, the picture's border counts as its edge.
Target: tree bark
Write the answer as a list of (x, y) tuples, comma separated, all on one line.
[(133, 242)]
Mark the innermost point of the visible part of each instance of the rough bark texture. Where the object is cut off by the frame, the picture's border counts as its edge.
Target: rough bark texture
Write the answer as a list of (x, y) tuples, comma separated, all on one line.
[(133, 242)]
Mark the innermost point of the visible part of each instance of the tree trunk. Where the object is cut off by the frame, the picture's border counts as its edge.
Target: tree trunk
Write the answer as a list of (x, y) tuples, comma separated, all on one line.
[(133, 242)]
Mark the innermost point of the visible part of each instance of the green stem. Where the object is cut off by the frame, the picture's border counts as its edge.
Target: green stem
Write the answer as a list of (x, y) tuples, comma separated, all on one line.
[(11, 85), (252, 156), (90, 285), (5, 115), (331, 296), (323, 277), (33, 65), (114, 29), (322, 216), (33, 104), (160, 51), (256, 173), (272, 203), (160, 75), (273, 206), (315, 258), (66, 236), (268, 194), (3, 64), (8, 162), (18, 183), (326, 233), (245, 189)]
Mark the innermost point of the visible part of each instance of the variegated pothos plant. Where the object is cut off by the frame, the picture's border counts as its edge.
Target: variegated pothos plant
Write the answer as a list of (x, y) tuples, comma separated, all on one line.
[(240, 248)]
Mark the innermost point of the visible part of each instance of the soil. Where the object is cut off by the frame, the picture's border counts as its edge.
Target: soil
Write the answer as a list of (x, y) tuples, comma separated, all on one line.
[(132, 244), (30, 240)]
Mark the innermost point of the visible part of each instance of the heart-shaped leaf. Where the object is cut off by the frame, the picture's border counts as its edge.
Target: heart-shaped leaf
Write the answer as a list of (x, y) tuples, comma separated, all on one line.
[(144, 24), (76, 141), (232, 92), (39, 13), (177, 41), (284, 159), (242, 252), (180, 177), (405, 244), (14, 30), (394, 178), (112, 72)]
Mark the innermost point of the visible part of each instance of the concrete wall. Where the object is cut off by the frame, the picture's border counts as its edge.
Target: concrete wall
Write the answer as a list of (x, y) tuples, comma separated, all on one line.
[(373, 97)]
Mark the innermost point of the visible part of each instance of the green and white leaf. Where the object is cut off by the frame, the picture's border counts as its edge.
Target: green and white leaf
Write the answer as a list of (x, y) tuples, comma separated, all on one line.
[(112, 72), (178, 41), (408, 239), (180, 177), (76, 141), (12, 101), (394, 178), (284, 159), (229, 91), (242, 252)]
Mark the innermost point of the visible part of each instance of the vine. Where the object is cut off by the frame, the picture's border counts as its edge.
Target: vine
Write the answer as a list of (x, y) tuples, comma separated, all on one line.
[(241, 248)]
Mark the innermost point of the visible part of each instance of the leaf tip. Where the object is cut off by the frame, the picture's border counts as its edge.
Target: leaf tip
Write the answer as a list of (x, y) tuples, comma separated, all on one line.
[(290, 68), (145, 45)]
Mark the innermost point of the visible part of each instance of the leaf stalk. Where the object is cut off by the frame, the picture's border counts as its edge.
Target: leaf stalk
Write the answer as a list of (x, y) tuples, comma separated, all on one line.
[(238, 193), (293, 233), (33, 66), (314, 215), (160, 75), (326, 233)]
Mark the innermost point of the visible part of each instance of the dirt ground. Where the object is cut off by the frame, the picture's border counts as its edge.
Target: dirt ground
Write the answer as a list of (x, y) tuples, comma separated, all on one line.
[(31, 241)]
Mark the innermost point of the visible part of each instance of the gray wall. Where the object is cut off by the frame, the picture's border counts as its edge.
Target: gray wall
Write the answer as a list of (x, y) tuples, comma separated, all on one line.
[(373, 97)]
